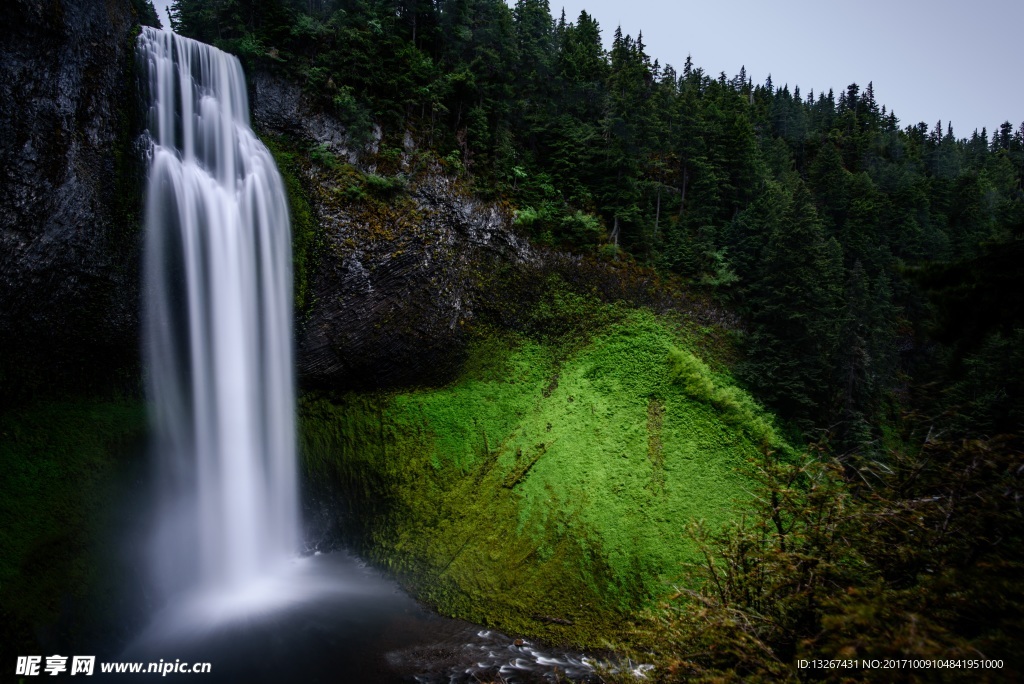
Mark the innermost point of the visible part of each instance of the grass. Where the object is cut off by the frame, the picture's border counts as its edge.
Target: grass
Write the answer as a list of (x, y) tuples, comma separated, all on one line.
[(546, 491)]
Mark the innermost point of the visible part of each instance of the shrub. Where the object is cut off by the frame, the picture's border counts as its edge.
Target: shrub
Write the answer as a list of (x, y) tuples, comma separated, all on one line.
[(920, 559)]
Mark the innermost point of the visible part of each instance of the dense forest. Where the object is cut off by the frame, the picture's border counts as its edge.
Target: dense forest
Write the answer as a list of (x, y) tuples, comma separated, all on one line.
[(876, 267), (816, 216)]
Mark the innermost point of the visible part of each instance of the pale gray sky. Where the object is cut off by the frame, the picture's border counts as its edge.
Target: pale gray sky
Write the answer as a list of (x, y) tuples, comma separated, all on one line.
[(161, 11), (929, 59)]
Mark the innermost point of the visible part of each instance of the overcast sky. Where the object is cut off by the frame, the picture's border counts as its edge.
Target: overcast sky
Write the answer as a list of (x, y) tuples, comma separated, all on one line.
[(161, 11), (928, 59)]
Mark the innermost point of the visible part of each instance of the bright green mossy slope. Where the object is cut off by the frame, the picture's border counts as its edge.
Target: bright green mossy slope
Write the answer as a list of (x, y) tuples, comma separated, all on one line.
[(57, 460), (546, 491)]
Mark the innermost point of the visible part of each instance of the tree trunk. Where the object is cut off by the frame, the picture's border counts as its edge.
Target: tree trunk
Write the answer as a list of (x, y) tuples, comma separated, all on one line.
[(682, 192), (657, 213)]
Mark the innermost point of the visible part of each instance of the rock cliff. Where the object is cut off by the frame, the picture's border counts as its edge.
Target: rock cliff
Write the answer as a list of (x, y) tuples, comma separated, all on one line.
[(406, 259), (394, 282), (70, 189)]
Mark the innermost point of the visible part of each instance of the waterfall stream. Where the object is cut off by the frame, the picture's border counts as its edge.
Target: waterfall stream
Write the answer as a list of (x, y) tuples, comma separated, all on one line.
[(217, 325)]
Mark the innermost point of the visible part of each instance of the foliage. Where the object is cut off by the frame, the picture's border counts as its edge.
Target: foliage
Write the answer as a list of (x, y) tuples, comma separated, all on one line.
[(753, 191), (554, 224), (544, 490), (305, 231), (920, 559), (762, 579), (57, 458), (146, 13), (735, 406), (385, 186)]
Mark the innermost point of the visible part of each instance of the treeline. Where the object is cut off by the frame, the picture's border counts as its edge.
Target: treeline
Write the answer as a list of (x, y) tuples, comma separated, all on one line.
[(810, 214)]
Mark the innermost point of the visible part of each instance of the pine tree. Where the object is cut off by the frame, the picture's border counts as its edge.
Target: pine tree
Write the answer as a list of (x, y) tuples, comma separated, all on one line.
[(795, 306)]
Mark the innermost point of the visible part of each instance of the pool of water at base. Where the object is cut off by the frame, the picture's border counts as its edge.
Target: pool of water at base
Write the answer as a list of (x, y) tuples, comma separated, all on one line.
[(331, 618)]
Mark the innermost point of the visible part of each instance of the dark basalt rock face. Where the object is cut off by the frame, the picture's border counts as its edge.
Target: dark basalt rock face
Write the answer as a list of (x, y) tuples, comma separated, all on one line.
[(391, 307), (279, 107), (398, 282), (393, 289), (70, 189)]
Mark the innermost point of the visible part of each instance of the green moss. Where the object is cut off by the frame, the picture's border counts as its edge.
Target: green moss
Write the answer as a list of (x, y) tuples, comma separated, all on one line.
[(56, 458), (735, 407), (546, 490), (385, 187), (305, 229)]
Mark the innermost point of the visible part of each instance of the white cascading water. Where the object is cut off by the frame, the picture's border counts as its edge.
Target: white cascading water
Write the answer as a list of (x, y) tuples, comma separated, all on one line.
[(218, 325)]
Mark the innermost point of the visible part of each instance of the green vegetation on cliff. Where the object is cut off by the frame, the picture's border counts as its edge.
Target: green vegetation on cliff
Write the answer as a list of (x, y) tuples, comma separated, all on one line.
[(303, 222), (548, 488), (58, 459)]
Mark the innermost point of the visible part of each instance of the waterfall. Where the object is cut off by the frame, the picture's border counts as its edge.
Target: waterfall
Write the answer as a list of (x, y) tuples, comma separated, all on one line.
[(217, 324)]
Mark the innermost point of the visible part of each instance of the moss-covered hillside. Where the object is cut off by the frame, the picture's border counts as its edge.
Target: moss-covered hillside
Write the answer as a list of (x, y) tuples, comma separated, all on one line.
[(547, 490)]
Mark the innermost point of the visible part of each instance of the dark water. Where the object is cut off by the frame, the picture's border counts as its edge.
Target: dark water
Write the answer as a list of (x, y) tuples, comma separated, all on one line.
[(329, 618), (333, 619)]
